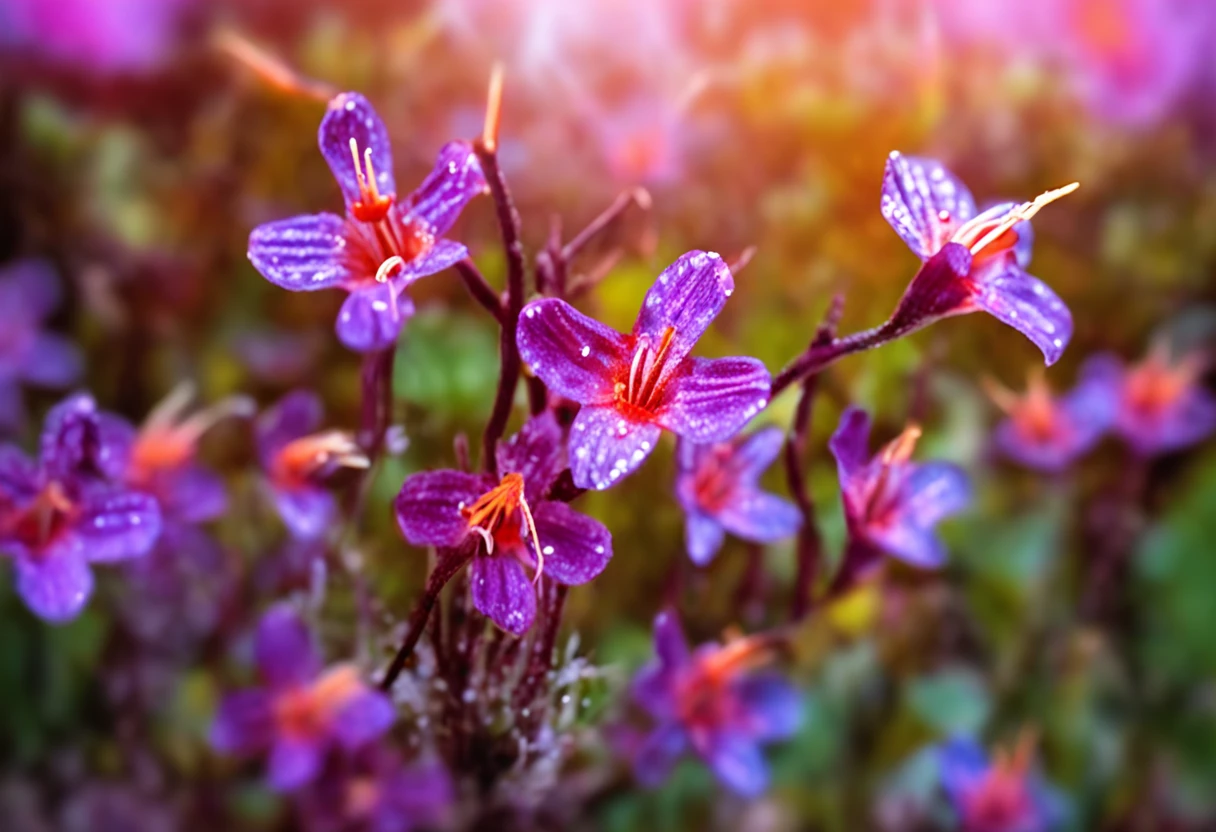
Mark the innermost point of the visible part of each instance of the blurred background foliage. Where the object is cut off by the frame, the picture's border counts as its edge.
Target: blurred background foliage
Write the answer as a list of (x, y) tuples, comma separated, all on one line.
[(137, 160)]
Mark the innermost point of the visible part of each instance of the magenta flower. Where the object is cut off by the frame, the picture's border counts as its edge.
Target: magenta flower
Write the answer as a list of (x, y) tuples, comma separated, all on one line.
[(1160, 404), (1049, 433), (383, 244), (890, 503), (29, 293), (1003, 795), (300, 712), (972, 260), (60, 513), (709, 702), (519, 529), (718, 487), (633, 386), (296, 460)]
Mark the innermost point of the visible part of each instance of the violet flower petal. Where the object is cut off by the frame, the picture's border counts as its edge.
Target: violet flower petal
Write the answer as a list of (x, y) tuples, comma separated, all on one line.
[(192, 495), (244, 724), (576, 548), (670, 645), (428, 506), (442, 255), (715, 398), (737, 762), (30, 290), (962, 763), (366, 716), (455, 180), (1028, 305), (284, 649), (687, 296), (915, 194), (654, 760), (756, 452), (536, 453), (12, 407), (703, 536), (70, 437), (605, 447), (351, 116), (850, 443), (372, 316), (297, 414), (760, 517), (293, 763), (939, 289), (934, 491), (915, 545), (653, 690), (576, 356), (53, 362), (1191, 420), (56, 583), (503, 592), (20, 479), (116, 525), (306, 510), (304, 253), (774, 707)]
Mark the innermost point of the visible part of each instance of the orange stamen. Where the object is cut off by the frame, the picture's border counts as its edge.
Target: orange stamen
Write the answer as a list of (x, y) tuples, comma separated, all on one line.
[(489, 133), (304, 457), (900, 448), (1000, 236), (168, 439), (269, 69), (494, 509), (372, 206)]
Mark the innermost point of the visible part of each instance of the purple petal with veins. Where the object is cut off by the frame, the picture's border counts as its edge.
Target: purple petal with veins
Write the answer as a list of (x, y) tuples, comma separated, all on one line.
[(503, 592), (428, 506), (1028, 305), (351, 116), (605, 447), (455, 180), (714, 398), (575, 355), (304, 253), (923, 202), (686, 298), (575, 547)]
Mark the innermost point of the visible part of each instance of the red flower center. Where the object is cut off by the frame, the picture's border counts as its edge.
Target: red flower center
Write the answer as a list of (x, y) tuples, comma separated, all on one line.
[(36, 524), (714, 480), (308, 711), (379, 230), (639, 393), (501, 515)]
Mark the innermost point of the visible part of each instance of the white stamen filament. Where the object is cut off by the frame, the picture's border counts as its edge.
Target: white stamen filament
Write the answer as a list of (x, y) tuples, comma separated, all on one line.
[(1022, 212), (531, 524)]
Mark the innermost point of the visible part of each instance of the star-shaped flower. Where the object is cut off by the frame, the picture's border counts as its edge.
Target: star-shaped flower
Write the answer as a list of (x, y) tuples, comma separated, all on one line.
[(1048, 433), (1001, 795)]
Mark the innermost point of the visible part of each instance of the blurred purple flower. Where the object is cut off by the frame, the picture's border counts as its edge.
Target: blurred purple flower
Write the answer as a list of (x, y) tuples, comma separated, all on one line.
[(376, 791), (60, 513), (383, 244), (1002, 795), (160, 457), (1049, 433), (1160, 404), (709, 701), (104, 35), (972, 261), (640, 140), (520, 529), (890, 503), (114, 807), (296, 459), (633, 386), (29, 293), (300, 712), (718, 487)]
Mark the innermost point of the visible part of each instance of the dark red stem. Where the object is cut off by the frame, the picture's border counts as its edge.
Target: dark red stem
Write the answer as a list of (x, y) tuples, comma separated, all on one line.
[(481, 291)]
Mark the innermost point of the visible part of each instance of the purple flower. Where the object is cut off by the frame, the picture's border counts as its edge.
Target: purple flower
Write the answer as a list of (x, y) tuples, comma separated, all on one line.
[(60, 513), (160, 458), (971, 260), (296, 459), (111, 36), (29, 293), (1047, 433), (383, 244), (633, 386), (1002, 795), (1160, 404), (640, 140), (890, 503), (376, 791), (709, 702), (518, 527), (300, 712), (718, 487)]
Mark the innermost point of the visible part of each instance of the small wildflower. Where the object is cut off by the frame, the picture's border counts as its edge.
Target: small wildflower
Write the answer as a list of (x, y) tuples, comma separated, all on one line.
[(375, 790), (711, 701), (972, 261), (29, 294), (890, 502), (1049, 433), (296, 459), (631, 387), (1160, 404), (1002, 795), (519, 529), (383, 244), (718, 487), (61, 512), (301, 711)]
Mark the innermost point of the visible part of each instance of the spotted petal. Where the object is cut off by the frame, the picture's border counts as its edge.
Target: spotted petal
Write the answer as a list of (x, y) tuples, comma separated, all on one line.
[(503, 592), (923, 202), (687, 296), (712, 399), (536, 453), (575, 355), (456, 178), (116, 525), (605, 446), (428, 506), (1028, 305), (351, 116), (302, 254), (576, 547)]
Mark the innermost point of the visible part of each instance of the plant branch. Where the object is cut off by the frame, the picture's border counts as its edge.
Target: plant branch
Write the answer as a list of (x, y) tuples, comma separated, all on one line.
[(481, 291)]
